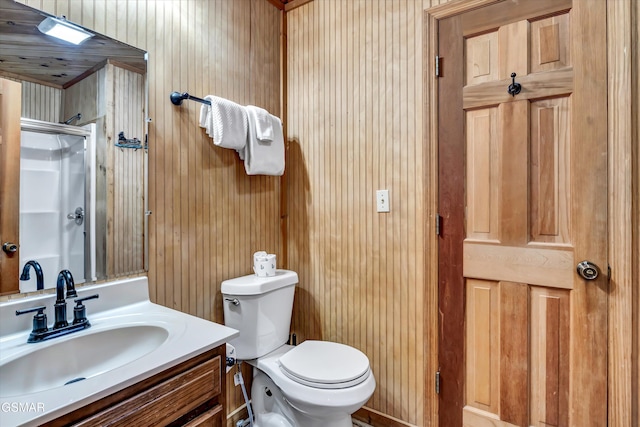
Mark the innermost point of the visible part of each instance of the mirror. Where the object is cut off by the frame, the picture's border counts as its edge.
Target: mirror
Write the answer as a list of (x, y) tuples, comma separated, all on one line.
[(99, 89)]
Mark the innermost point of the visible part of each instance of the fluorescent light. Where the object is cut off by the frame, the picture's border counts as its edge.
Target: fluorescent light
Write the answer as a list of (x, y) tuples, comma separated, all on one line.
[(63, 29)]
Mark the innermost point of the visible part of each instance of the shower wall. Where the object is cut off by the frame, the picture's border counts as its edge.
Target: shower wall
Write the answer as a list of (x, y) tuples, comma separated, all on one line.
[(52, 185)]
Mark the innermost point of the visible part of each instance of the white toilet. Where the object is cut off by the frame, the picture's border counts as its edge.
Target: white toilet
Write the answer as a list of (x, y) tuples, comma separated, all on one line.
[(314, 384)]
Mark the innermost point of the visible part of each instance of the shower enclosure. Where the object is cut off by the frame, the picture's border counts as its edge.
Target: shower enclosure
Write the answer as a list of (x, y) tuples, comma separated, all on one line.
[(57, 202)]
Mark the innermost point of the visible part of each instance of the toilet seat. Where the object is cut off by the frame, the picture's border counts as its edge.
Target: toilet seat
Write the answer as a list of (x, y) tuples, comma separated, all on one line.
[(325, 365)]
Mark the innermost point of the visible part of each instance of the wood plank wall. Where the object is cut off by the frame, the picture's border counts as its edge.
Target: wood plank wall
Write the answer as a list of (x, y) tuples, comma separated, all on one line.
[(208, 216), (41, 102), (125, 180), (341, 115), (355, 125)]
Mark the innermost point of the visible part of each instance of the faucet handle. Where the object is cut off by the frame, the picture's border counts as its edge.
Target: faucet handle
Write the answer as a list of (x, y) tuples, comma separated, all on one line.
[(80, 311), (39, 320)]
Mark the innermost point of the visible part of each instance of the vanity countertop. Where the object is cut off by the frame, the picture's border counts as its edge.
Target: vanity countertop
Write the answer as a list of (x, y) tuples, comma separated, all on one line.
[(122, 303)]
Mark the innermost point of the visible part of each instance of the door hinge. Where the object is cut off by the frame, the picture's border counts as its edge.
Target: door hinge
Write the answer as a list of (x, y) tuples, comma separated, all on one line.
[(437, 61), (438, 222), (437, 382), (609, 272)]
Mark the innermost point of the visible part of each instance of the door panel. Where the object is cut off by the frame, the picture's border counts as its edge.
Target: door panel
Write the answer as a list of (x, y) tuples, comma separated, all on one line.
[(534, 179)]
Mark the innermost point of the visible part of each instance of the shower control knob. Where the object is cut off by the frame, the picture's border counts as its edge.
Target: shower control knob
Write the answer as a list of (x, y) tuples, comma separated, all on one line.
[(10, 248), (77, 216), (588, 270)]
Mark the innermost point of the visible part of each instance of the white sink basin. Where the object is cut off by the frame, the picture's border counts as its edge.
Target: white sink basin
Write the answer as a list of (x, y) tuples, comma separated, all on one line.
[(77, 358)]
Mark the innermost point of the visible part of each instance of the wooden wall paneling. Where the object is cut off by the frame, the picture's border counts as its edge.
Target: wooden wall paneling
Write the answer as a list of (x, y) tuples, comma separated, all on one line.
[(128, 215), (109, 125), (41, 102), (83, 97), (354, 120), (207, 217)]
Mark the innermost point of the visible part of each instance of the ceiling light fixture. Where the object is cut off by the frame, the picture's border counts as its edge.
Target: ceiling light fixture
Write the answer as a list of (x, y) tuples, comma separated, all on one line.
[(64, 30)]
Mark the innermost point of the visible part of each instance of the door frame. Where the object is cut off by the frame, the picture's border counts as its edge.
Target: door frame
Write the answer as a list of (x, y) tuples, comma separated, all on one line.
[(624, 204)]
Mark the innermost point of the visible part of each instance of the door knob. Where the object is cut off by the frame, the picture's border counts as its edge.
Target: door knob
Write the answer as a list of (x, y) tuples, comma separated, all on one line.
[(588, 270), (9, 247)]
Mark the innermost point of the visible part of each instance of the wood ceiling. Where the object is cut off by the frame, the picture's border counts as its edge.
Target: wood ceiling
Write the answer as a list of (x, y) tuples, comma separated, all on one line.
[(27, 54)]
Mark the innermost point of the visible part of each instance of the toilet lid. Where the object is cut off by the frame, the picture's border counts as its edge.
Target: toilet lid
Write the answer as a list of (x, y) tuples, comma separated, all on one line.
[(323, 364)]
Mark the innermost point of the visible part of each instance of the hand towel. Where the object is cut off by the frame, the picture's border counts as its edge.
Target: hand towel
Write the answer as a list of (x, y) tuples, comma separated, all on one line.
[(264, 124), (263, 157), (225, 122)]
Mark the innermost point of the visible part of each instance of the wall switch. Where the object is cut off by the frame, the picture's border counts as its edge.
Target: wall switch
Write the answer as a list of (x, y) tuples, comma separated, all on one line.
[(382, 200)]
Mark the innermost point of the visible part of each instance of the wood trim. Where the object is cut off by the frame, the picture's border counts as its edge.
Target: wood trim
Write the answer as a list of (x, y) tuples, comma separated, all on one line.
[(487, 18), (621, 390), (284, 217), (635, 268), (378, 419), (457, 7), (294, 4), (277, 4), (18, 77), (451, 199), (430, 132), (86, 74)]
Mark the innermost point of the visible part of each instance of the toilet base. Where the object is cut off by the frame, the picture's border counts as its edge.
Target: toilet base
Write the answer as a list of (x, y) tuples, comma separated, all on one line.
[(271, 408)]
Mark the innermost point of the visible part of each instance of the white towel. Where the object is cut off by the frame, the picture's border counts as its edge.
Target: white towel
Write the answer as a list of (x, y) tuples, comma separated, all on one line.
[(225, 122), (264, 124), (264, 157)]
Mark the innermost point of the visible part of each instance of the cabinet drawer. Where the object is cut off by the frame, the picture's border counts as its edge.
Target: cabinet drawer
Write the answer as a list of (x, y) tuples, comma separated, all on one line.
[(165, 402), (212, 418)]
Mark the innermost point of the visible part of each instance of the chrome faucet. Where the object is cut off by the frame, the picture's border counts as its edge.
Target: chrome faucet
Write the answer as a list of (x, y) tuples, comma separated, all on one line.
[(60, 306), (39, 275)]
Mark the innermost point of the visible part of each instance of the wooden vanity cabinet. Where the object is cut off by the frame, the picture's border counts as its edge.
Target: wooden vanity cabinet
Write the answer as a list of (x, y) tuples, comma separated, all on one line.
[(189, 394)]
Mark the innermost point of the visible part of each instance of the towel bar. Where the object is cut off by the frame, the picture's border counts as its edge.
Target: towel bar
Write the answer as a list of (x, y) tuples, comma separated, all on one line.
[(177, 98)]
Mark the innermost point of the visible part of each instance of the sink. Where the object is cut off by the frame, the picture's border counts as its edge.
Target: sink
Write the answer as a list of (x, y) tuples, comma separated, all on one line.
[(130, 340), (77, 358)]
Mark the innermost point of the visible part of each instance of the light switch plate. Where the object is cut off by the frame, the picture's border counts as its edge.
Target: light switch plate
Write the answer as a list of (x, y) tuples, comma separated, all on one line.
[(382, 200)]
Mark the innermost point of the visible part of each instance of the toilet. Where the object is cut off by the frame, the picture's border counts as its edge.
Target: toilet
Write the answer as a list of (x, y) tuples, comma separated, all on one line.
[(314, 384)]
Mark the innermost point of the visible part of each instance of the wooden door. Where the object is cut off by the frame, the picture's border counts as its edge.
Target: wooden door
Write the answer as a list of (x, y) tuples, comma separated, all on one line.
[(10, 106), (523, 200)]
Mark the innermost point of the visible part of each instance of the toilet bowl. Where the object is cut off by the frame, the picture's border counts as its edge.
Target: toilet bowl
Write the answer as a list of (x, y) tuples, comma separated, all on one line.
[(314, 384)]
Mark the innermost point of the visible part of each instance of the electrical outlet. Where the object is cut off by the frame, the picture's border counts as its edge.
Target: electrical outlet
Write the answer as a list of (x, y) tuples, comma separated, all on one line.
[(382, 200)]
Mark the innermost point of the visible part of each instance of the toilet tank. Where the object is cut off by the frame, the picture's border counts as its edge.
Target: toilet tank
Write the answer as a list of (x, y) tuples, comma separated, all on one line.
[(260, 308)]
